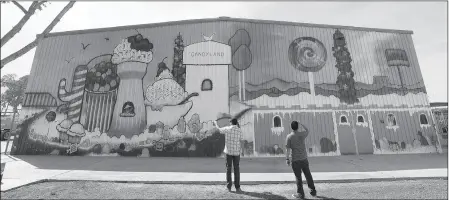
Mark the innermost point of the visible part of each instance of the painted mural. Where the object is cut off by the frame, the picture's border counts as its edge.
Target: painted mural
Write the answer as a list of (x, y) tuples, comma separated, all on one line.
[(156, 91)]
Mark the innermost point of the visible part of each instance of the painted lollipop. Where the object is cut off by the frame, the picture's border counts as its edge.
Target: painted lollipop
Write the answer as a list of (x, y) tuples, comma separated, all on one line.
[(307, 54), (50, 117)]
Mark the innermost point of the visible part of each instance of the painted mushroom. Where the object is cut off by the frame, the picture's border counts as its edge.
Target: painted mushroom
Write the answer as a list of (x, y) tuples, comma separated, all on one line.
[(76, 132), (62, 128)]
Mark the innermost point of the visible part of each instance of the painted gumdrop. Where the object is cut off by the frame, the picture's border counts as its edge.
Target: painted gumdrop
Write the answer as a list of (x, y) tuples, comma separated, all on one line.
[(145, 153), (113, 83), (109, 72), (194, 124), (97, 149), (98, 74), (96, 86), (166, 132), (55, 152), (416, 143), (106, 149), (86, 143), (384, 144), (102, 82), (152, 128), (107, 87), (192, 147), (149, 141), (181, 125), (182, 144)]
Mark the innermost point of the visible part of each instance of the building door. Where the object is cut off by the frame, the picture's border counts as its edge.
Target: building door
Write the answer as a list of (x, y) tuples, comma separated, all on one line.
[(346, 132), (364, 141)]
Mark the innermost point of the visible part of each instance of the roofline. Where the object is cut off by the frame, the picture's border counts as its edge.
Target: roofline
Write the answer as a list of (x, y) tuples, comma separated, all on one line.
[(192, 21)]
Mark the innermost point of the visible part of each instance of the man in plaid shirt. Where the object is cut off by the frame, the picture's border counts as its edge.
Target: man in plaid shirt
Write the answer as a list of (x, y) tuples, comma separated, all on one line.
[(233, 149)]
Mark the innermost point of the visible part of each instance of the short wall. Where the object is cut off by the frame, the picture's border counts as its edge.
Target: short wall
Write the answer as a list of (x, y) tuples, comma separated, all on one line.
[(270, 141)]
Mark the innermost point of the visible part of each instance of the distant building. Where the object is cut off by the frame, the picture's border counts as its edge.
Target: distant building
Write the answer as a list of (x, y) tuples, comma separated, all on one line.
[(155, 89), (439, 111)]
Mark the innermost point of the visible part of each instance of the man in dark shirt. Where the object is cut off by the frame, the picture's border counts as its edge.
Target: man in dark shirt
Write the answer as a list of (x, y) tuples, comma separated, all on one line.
[(296, 143)]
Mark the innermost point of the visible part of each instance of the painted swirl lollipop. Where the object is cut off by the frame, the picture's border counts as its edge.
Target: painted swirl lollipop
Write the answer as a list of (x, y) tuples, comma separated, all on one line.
[(307, 54)]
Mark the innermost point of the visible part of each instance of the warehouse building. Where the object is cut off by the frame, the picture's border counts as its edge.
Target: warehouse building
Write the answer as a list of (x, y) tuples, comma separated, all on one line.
[(154, 90)]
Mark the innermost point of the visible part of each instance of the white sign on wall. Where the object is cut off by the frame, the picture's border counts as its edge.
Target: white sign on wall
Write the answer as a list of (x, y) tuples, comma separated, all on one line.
[(207, 53)]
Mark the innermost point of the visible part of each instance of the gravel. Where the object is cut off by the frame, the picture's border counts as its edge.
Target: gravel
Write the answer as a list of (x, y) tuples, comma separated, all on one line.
[(410, 189)]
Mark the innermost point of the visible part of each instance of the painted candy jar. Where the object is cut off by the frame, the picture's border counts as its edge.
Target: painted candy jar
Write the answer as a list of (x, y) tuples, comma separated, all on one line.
[(100, 95)]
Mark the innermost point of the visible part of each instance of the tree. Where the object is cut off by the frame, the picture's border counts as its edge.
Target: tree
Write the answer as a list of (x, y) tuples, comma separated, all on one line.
[(36, 5), (179, 70), (15, 91), (345, 79)]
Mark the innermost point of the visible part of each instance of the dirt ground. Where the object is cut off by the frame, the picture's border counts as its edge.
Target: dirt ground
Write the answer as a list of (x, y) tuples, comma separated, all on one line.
[(412, 189)]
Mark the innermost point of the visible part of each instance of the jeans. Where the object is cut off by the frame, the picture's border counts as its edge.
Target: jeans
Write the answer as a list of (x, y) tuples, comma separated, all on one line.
[(298, 166), (233, 160)]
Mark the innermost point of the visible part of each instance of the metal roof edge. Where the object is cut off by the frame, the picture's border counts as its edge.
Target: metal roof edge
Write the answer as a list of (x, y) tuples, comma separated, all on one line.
[(205, 20)]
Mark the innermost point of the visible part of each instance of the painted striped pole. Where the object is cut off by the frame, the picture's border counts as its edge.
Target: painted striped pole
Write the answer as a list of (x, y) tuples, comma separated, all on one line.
[(75, 97)]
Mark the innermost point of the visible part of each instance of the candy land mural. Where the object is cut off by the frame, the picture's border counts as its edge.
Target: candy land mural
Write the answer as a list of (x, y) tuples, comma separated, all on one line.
[(149, 92)]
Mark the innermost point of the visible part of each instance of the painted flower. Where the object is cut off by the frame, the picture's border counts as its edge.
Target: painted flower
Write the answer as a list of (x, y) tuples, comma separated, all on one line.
[(181, 125), (194, 124)]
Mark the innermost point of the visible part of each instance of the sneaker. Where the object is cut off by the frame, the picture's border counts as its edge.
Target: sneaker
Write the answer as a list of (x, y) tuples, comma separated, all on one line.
[(313, 193), (229, 189), (238, 190), (297, 196)]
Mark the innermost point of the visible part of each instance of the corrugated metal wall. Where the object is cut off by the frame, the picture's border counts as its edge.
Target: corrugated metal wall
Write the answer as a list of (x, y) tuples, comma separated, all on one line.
[(269, 49), (271, 80)]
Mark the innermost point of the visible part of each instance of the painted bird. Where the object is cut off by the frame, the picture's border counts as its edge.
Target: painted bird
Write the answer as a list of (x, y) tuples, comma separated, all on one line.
[(208, 38)]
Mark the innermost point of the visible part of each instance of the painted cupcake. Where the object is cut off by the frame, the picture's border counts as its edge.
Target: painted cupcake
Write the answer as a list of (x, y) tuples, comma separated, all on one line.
[(75, 133), (62, 128)]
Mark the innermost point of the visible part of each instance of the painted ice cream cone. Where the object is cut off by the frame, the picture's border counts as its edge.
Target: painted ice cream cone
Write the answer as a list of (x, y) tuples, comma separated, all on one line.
[(131, 57)]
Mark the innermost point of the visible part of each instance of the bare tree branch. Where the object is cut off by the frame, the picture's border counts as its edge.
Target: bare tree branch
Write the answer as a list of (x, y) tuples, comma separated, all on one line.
[(16, 29), (33, 44), (33, 5), (20, 7), (39, 4)]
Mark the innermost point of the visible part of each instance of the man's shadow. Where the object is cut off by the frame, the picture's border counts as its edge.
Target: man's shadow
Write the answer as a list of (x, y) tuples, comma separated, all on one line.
[(323, 197), (265, 195)]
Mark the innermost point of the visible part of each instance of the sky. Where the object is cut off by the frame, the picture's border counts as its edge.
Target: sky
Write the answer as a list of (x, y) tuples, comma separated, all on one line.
[(428, 21)]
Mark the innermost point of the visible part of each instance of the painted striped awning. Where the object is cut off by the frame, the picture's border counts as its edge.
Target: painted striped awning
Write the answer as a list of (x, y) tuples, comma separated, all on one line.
[(39, 100)]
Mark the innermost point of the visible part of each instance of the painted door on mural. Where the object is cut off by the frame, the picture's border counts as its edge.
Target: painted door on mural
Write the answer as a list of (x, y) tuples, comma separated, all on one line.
[(362, 132), (346, 133)]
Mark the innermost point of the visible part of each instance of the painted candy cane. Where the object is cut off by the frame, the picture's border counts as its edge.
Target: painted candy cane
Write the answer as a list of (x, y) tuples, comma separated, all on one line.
[(75, 97)]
